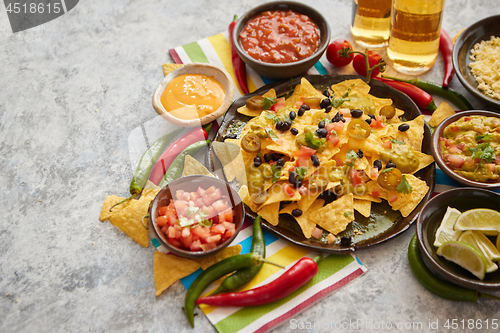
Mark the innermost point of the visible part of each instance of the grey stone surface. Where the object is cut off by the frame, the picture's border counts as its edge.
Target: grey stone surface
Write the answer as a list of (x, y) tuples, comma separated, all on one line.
[(71, 92)]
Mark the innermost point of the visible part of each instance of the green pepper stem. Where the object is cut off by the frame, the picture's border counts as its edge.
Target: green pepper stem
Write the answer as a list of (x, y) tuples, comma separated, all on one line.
[(142, 221), (346, 51), (489, 296), (122, 201), (271, 263)]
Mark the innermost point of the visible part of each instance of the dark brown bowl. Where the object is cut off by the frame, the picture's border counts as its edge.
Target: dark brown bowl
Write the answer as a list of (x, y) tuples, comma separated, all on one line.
[(287, 227), (285, 70), (438, 157), (479, 31), (428, 222), (191, 183)]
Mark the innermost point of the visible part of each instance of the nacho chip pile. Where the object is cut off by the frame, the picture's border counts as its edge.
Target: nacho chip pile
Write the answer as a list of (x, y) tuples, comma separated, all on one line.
[(346, 158)]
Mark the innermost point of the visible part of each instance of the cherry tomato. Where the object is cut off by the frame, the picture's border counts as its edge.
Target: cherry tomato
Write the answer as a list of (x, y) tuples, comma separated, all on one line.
[(359, 63), (333, 56), (390, 178)]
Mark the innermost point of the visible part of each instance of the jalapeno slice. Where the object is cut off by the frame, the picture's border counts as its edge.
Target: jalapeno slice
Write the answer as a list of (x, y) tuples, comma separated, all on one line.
[(358, 129), (250, 143), (254, 103), (388, 111), (390, 178)]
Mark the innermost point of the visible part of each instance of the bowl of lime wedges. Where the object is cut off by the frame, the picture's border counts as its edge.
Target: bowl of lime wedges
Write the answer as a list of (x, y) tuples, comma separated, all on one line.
[(458, 235)]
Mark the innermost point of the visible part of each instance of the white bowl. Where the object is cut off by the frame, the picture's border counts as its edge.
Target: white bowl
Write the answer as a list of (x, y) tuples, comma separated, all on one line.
[(217, 73)]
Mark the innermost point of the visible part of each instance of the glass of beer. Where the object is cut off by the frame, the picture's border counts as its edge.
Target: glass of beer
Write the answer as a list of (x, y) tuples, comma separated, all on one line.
[(371, 22), (414, 38)]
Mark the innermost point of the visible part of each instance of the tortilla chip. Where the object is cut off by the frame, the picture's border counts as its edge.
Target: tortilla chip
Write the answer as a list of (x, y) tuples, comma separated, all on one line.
[(277, 194), (406, 203), (335, 216), (151, 186), (413, 136), (255, 113), (109, 202), (303, 220), (237, 163), (363, 207), (129, 219), (357, 86), (169, 268), (307, 200), (230, 251), (270, 213), (442, 112), (424, 160), (167, 68), (194, 167), (368, 196), (224, 157)]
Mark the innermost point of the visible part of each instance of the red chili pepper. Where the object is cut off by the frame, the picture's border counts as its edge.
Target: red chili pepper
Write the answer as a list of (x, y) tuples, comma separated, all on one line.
[(164, 161), (419, 96), (240, 71), (446, 48), (294, 278)]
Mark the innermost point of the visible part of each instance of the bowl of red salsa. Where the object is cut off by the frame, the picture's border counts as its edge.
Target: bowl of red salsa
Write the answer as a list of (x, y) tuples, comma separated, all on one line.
[(466, 146), (281, 39), (196, 216)]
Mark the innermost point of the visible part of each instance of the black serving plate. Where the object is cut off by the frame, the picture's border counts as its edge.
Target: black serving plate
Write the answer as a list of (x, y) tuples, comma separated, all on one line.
[(384, 223)]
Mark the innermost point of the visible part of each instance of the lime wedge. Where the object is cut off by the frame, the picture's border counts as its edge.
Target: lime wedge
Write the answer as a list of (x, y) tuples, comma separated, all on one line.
[(482, 219), (446, 232), (483, 244), (464, 255)]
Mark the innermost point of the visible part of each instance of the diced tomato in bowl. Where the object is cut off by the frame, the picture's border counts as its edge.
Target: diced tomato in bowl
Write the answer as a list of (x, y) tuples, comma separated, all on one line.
[(196, 216)]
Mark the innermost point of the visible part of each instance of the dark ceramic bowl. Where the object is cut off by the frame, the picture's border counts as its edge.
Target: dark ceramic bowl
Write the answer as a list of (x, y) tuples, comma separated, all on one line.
[(191, 183), (428, 221), (479, 31), (287, 227), (284, 70), (438, 157)]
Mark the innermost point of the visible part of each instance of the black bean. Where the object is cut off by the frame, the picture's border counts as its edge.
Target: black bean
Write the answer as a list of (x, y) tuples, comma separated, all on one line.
[(303, 108), (328, 108), (403, 127), (356, 113), (296, 212), (267, 158), (315, 160), (280, 162), (322, 132), (377, 164), (324, 103), (327, 93), (321, 124), (292, 177), (294, 131), (372, 116), (279, 125), (360, 153), (297, 184), (230, 136), (369, 120), (390, 165), (286, 125), (346, 241), (337, 117), (276, 156), (257, 162), (292, 115)]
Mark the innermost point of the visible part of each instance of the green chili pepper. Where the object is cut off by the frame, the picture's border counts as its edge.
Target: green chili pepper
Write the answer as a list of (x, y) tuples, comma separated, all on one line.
[(433, 88), (213, 273), (174, 171), (146, 163), (243, 276)]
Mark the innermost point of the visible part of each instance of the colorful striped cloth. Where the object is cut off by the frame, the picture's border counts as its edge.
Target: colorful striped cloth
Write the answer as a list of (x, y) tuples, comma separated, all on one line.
[(334, 271)]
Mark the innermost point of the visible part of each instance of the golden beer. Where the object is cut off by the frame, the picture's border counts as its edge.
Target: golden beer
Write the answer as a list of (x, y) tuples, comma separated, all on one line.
[(371, 22), (414, 38)]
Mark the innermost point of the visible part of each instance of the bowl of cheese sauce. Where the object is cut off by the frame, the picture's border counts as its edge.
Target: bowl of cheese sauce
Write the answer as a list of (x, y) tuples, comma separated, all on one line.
[(194, 95)]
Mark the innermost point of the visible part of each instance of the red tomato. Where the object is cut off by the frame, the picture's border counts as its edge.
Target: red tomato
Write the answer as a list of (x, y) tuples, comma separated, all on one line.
[(455, 161), (304, 152), (161, 220), (163, 210), (334, 140), (393, 196), (387, 145), (355, 177), (379, 123), (333, 56), (359, 63), (288, 189), (279, 105)]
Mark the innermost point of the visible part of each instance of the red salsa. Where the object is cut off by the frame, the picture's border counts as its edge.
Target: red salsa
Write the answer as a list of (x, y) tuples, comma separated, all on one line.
[(280, 37), (197, 221)]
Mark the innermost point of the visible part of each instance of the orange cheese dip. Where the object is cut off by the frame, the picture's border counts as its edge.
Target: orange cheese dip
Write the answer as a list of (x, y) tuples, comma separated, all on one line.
[(192, 96), (280, 37)]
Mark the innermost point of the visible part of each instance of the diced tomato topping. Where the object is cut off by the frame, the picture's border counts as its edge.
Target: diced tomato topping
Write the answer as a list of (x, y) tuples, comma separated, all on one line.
[(447, 142), (303, 190), (229, 225), (228, 217), (298, 104), (317, 232), (179, 194), (279, 142), (338, 127), (378, 123), (333, 139), (180, 207), (305, 152), (461, 146), (288, 189), (161, 220), (393, 196), (491, 166), (175, 242), (186, 241), (331, 238), (376, 192), (193, 196), (454, 128), (387, 145), (186, 232), (455, 161), (374, 173), (171, 232), (339, 162), (467, 118), (219, 206), (453, 149), (302, 162), (355, 177), (345, 112), (279, 105), (497, 159)]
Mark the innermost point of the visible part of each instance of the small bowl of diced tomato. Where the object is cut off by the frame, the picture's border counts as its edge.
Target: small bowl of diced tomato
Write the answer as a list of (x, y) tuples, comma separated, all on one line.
[(466, 147), (196, 216)]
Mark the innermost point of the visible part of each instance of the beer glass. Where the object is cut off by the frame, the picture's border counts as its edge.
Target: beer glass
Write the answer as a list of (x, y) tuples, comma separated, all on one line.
[(371, 21), (414, 37)]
